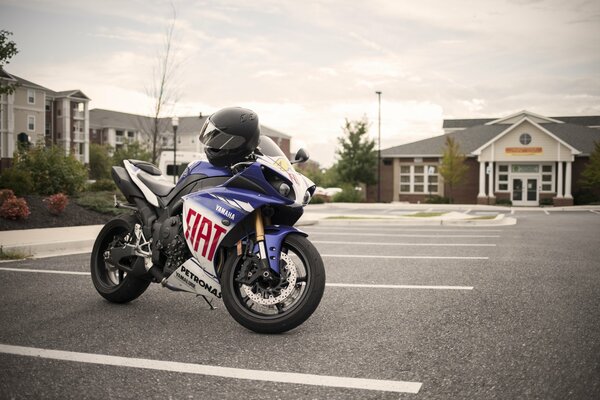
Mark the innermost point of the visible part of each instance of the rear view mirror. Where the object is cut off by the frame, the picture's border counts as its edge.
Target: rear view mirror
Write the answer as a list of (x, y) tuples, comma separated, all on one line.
[(301, 156)]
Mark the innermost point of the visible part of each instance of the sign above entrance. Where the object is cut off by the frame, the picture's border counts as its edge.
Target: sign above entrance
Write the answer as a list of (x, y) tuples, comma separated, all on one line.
[(523, 151)]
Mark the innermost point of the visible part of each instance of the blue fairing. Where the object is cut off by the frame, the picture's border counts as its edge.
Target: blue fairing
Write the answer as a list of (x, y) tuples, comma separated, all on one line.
[(204, 168), (274, 237)]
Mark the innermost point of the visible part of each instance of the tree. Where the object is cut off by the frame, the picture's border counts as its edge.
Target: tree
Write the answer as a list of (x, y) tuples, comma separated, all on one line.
[(452, 168), (100, 161), (590, 177), (8, 49), (133, 150), (162, 90), (357, 160)]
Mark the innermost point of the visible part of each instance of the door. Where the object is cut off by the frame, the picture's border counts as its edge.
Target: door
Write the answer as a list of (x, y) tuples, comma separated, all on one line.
[(525, 191)]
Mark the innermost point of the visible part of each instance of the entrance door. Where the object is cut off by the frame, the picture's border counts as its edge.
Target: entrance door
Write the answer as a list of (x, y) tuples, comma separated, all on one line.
[(525, 191)]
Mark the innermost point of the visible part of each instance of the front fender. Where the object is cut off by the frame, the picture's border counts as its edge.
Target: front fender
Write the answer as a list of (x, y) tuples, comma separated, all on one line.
[(274, 237)]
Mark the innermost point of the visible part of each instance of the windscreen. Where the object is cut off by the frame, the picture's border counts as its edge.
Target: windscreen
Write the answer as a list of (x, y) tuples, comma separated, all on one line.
[(268, 147)]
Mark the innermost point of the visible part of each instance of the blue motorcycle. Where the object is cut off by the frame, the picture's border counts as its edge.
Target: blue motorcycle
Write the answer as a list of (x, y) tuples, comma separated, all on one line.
[(224, 231)]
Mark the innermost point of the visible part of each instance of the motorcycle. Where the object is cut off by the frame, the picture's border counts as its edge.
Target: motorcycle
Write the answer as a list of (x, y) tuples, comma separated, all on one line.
[(220, 233)]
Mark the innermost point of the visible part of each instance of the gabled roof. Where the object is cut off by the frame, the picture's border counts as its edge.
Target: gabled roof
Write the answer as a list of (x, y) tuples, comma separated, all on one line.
[(520, 115), (6, 76), (71, 93), (586, 120), (515, 125), (576, 137), (468, 140)]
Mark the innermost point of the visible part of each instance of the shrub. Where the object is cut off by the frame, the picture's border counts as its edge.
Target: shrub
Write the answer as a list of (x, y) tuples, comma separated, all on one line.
[(435, 199), (503, 202), (56, 203), (347, 195), (585, 196), (102, 185), (52, 171), (14, 208), (6, 194), (17, 179), (547, 201), (102, 202), (318, 199)]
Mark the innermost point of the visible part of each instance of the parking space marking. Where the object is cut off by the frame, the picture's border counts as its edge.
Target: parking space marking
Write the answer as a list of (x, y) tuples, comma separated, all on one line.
[(213, 370), (44, 271), (407, 244), (404, 257), (402, 228), (595, 212), (402, 235), (546, 212), (369, 286)]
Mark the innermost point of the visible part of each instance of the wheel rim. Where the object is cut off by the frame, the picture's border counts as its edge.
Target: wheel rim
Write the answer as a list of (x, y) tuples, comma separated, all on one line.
[(256, 300), (109, 275)]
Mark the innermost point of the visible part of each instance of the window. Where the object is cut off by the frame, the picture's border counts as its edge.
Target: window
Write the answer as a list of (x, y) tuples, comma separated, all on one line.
[(548, 178), (502, 178), (525, 168), (525, 139), (30, 96), (31, 122), (419, 179)]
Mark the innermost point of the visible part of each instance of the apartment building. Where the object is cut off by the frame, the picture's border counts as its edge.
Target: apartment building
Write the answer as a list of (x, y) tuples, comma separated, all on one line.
[(117, 129), (34, 114)]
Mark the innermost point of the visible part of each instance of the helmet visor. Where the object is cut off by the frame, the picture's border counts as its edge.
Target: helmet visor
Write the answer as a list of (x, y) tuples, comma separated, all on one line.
[(215, 138)]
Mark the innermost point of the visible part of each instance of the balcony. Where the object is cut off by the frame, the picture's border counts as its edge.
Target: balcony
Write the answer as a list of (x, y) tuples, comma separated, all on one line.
[(79, 136), (119, 139), (76, 114)]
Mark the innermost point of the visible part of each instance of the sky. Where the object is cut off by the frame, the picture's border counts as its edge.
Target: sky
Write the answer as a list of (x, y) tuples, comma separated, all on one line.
[(306, 66)]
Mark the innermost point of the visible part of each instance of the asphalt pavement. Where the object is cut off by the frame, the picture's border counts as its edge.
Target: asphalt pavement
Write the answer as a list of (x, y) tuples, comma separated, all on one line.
[(467, 312)]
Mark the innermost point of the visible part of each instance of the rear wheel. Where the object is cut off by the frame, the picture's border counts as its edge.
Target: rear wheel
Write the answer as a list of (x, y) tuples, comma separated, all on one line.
[(112, 283), (275, 307)]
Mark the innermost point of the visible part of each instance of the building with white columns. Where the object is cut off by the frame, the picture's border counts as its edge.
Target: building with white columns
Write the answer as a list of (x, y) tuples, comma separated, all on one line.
[(525, 158)]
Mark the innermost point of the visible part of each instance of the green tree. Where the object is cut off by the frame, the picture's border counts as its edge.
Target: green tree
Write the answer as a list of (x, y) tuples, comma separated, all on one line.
[(133, 150), (452, 167), (100, 161), (590, 177), (8, 49), (357, 160)]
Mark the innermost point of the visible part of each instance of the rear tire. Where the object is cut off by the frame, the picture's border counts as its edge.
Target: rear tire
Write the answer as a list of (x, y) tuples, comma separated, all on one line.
[(115, 285), (291, 311)]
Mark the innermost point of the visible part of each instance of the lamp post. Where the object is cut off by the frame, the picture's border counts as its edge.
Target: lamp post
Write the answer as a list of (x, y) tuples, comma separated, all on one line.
[(379, 151), (175, 123)]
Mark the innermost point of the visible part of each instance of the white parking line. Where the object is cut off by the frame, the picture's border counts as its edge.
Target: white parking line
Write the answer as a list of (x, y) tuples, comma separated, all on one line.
[(44, 271), (349, 285), (546, 212), (595, 212), (213, 370), (404, 257), (406, 244), (368, 286), (401, 235), (402, 228)]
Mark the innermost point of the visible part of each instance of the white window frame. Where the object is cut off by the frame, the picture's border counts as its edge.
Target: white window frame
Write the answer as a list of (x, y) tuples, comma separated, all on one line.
[(539, 175), (497, 178), (31, 118), (30, 95), (411, 174), (552, 182)]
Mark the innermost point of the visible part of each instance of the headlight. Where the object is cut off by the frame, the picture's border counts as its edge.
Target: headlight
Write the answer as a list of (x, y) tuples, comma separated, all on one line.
[(284, 189), (307, 197)]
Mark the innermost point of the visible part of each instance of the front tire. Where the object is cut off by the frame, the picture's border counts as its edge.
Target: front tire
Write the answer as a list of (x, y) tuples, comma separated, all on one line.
[(252, 310), (114, 284)]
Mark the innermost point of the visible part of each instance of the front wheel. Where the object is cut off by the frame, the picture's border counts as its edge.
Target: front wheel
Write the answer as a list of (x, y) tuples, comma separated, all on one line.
[(112, 283), (267, 307)]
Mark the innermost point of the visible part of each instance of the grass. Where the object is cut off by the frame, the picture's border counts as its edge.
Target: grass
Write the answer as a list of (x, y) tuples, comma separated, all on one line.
[(11, 255), (425, 214), (101, 202), (484, 217)]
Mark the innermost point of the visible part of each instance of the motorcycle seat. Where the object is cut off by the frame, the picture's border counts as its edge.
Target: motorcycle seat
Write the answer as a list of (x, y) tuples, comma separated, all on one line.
[(159, 185), (146, 167)]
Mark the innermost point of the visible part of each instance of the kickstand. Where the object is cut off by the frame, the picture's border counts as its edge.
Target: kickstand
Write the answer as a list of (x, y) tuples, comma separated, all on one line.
[(208, 302)]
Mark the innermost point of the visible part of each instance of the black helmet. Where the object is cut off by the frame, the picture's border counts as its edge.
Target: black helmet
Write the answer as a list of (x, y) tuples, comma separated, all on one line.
[(229, 135)]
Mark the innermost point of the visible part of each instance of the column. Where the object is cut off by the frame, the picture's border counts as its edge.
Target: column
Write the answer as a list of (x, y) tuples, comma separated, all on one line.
[(491, 180), (559, 184), (568, 181), (86, 133), (481, 179)]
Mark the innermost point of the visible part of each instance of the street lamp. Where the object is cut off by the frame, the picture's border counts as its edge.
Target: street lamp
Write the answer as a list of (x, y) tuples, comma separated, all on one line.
[(379, 151), (175, 123)]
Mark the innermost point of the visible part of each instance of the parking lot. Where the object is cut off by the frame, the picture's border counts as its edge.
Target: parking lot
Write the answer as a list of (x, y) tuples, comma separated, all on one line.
[(429, 312)]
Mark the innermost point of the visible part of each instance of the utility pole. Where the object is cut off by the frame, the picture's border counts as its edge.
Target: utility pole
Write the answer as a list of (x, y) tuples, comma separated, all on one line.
[(175, 123), (379, 151)]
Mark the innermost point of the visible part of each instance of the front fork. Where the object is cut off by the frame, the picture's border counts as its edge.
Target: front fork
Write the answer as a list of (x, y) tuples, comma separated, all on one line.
[(259, 227)]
